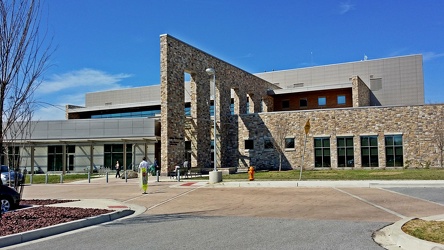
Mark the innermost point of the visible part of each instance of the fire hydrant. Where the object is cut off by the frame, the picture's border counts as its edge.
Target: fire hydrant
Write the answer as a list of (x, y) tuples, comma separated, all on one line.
[(251, 173)]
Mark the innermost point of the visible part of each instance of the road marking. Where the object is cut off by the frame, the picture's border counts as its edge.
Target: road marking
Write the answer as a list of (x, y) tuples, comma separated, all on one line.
[(372, 204), (173, 198), (413, 197)]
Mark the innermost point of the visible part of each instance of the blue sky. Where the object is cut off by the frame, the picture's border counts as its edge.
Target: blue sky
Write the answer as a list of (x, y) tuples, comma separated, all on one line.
[(114, 44)]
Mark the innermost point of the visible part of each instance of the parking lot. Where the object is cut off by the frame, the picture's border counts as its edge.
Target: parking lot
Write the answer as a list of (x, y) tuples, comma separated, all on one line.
[(255, 218)]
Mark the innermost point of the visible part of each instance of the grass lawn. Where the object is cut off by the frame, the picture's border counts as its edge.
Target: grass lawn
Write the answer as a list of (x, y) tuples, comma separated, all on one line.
[(357, 174), (55, 178), (426, 230)]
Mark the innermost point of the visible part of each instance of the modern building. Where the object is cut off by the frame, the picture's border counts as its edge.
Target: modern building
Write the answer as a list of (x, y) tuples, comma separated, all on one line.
[(365, 114)]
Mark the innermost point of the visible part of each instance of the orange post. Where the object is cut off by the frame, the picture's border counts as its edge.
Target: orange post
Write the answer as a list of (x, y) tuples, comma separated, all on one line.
[(251, 173)]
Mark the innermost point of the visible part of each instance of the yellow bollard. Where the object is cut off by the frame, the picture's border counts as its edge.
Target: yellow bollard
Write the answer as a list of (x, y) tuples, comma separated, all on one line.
[(251, 173)]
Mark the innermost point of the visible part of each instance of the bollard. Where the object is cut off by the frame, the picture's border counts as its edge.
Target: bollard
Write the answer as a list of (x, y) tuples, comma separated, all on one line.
[(89, 177), (61, 178), (106, 177), (46, 178), (178, 174), (157, 175), (126, 179)]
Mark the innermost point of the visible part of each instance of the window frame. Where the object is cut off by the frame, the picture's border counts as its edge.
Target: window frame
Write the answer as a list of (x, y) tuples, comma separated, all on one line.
[(338, 101), (324, 101), (368, 160), (292, 142), (348, 159), (287, 104), (394, 147), (325, 150)]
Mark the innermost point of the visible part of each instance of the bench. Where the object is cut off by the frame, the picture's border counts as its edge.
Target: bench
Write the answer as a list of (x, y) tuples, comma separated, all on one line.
[(173, 174), (196, 172)]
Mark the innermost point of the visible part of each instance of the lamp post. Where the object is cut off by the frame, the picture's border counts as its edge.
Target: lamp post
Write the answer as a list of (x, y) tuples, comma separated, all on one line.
[(212, 72)]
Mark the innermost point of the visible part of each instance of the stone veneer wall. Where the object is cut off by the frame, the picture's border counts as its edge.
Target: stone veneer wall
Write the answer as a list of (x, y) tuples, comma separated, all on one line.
[(418, 125), (360, 92), (178, 58)]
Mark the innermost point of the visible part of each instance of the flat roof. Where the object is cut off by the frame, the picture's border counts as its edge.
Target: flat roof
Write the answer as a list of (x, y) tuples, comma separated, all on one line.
[(307, 89)]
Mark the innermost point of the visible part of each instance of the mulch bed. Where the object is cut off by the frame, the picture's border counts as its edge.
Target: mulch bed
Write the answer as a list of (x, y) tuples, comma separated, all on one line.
[(25, 219)]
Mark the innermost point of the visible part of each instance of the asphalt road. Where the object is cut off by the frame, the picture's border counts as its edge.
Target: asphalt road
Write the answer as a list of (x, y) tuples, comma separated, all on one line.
[(241, 218)]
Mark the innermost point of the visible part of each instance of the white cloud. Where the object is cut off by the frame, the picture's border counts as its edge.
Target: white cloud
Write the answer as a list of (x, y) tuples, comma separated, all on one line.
[(345, 7), (428, 56), (81, 78), (49, 113), (70, 88)]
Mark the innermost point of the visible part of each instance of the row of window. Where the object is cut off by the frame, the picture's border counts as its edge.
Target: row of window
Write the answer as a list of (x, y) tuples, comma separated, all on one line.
[(345, 150), (322, 101), (112, 153), (153, 113)]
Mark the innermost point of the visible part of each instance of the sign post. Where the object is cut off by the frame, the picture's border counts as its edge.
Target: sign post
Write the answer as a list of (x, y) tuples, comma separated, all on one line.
[(307, 130)]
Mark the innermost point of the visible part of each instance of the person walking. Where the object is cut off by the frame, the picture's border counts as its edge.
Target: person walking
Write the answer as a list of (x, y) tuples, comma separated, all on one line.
[(156, 165), (117, 169)]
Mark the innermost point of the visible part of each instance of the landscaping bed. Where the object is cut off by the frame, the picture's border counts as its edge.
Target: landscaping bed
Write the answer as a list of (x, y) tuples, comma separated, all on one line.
[(34, 214)]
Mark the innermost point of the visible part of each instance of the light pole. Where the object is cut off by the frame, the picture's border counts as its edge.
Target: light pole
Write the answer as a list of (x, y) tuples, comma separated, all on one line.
[(212, 72)]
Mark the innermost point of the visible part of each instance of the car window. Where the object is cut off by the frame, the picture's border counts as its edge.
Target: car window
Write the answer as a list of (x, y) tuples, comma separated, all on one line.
[(4, 169)]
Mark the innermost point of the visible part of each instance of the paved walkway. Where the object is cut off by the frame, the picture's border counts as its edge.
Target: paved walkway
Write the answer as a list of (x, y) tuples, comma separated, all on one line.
[(326, 200)]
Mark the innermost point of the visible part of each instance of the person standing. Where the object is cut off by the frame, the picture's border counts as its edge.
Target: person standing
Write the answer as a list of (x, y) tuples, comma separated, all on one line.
[(186, 167), (143, 164), (117, 169), (143, 168)]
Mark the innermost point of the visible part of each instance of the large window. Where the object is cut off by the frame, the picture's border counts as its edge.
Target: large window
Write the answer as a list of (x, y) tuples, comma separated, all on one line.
[(70, 154), (55, 158), (12, 159), (345, 152), (393, 151), (322, 152), (369, 151), (114, 152), (303, 102)]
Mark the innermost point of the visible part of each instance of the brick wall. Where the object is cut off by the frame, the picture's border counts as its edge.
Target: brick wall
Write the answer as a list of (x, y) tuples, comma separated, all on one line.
[(419, 126)]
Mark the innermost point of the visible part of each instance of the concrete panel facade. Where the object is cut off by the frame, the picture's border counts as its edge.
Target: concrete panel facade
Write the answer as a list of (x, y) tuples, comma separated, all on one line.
[(401, 78)]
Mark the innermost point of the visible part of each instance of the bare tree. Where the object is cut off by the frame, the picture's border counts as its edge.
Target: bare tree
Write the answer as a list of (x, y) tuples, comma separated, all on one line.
[(279, 139), (439, 140), (23, 60)]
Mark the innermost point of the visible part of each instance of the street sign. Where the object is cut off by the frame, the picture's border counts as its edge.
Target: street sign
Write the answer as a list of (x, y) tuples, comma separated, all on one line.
[(307, 126)]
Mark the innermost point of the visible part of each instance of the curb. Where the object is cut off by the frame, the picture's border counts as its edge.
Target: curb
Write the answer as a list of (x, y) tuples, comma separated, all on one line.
[(392, 237), (62, 228), (338, 184)]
